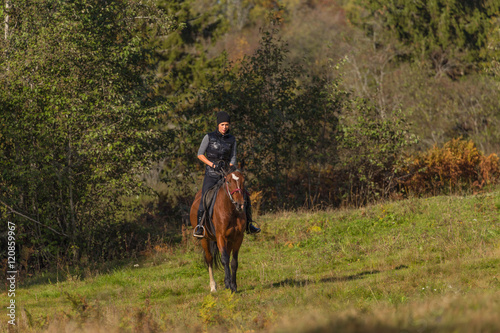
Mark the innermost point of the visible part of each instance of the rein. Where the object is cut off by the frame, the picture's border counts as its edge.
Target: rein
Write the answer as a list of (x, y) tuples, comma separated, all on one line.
[(238, 189)]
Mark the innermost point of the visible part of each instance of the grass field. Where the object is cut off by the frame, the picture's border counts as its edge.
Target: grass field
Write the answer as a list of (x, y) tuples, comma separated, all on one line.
[(418, 265)]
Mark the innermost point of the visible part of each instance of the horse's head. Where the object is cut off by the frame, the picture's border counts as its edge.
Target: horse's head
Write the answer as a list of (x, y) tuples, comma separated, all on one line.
[(235, 188)]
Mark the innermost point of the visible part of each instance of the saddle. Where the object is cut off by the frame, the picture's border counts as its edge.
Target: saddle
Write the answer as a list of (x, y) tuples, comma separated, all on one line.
[(208, 204), (209, 201)]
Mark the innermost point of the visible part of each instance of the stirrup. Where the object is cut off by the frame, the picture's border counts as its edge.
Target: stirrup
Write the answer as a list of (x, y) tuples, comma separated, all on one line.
[(199, 236)]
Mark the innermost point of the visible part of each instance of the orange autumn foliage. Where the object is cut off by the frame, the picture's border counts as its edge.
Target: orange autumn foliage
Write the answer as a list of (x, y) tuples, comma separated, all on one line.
[(456, 165)]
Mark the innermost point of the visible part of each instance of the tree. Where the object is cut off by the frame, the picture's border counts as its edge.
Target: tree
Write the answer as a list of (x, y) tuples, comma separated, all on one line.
[(493, 50), (370, 146), (77, 121), (448, 35), (184, 55), (284, 126)]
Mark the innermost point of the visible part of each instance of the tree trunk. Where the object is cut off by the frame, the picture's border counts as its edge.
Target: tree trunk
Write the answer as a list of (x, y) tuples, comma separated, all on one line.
[(72, 219), (6, 28)]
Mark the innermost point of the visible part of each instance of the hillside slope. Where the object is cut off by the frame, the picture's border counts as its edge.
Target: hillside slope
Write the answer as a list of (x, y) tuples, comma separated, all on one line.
[(419, 265)]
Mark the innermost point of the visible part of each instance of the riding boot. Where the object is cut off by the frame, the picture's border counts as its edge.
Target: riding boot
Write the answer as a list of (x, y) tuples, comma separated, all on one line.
[(198, 231), (251, 229)]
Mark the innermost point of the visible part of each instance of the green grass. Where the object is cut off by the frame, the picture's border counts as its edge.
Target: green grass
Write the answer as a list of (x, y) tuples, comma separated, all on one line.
[(418, 265)]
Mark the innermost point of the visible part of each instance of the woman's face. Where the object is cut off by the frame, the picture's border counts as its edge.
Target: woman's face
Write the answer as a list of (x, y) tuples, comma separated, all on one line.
[(223, 128)]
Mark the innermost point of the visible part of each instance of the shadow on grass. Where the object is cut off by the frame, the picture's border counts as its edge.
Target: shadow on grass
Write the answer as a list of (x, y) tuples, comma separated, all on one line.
[(302, 283), (333, 279)]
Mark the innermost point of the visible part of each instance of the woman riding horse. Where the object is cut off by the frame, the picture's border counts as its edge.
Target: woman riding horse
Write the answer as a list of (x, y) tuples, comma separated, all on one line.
[(220, 149)]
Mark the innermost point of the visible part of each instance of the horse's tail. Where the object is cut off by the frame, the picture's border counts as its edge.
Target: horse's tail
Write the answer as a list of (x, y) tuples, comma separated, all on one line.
[(214, 251)]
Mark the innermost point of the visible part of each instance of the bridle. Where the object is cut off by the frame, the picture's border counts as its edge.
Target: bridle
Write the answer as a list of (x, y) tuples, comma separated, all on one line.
[(238, 189), (230, 194)]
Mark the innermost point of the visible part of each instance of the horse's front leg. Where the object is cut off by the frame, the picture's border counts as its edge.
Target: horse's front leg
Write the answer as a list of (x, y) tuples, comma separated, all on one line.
[(224, 258), (234, 268), (238, 240), (225, 253)]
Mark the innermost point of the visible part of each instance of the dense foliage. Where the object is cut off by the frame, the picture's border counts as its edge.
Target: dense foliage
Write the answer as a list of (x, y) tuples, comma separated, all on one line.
[(183, 56), (275, 121), (77, 124), (449, 35)]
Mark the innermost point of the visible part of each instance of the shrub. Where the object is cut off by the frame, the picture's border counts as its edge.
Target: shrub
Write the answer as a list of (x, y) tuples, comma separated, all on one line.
[(455, 166), (370, 143)]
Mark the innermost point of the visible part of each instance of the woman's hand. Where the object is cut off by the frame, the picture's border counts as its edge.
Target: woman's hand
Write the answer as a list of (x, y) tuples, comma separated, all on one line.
[(218, 166)]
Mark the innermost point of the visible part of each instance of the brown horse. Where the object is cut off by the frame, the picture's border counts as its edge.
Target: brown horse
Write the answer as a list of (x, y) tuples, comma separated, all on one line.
[(229, 222)]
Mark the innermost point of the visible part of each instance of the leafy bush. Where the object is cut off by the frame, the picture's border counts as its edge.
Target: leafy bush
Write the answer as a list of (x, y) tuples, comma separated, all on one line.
[(370, 144)]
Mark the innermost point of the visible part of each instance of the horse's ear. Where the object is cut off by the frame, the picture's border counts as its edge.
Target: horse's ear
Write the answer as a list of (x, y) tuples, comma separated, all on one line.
[(241, 165)]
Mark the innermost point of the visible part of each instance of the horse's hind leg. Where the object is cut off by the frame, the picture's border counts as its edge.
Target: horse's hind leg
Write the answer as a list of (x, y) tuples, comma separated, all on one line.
[(209, 259), (213, 286)]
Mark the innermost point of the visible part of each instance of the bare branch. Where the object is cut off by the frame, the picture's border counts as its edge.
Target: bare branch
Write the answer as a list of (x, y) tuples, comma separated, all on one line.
[(29, 218)]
